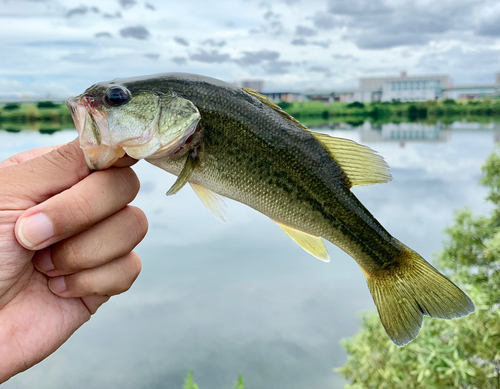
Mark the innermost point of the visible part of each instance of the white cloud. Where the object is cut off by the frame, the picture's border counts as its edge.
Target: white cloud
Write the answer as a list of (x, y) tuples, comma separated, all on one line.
[(46, 47)]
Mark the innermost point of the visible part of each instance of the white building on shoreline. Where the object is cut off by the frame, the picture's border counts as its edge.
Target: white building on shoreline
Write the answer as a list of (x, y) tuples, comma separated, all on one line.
[(400, 88), (406, 88)]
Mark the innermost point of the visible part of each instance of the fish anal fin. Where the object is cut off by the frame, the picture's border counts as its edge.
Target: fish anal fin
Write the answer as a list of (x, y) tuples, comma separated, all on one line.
[(212, 201), (314, 245), (278, 109), (403, 295), (361, 164)]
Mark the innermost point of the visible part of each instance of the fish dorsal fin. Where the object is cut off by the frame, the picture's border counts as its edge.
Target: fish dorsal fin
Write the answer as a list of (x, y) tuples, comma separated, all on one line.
[(361, 164), (215, 203), (192, 162), (277, 108), (314, 245)]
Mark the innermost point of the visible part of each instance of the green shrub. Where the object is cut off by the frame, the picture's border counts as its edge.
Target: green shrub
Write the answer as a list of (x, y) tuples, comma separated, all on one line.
[(190, 384), (46, 104), (284, 105), (12, 106), (356, 104)]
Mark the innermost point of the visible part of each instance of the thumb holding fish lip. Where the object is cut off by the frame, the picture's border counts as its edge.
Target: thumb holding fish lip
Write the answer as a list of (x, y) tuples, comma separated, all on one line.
[(41, 173), (32, 179)]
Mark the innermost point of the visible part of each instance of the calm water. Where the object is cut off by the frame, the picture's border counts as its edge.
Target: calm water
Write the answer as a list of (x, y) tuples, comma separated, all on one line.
[(242, 297)]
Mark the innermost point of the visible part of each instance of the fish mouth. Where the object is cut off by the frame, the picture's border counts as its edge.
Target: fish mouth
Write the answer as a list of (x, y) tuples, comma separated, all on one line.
[(93, 133)]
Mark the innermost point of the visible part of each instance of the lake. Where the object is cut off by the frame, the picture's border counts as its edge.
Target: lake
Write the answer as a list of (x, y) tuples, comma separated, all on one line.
[(242, 297)]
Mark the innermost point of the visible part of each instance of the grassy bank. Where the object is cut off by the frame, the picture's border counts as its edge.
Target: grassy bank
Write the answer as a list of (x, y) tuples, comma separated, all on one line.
[(44, 114), (47, 116), (395, 111)]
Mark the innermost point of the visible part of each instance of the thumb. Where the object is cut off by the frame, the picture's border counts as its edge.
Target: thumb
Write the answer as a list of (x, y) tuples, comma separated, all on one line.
[(42, 177)]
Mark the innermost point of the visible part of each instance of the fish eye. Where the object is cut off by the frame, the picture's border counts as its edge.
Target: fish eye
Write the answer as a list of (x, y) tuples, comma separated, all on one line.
[(116, 96)]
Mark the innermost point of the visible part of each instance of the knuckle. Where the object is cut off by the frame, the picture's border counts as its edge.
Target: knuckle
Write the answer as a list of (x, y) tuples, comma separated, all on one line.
[(66, 256), (139, 221), (81, 209), (68, 155), (133, 268), (129, 180), (86, 285), (70, 152)]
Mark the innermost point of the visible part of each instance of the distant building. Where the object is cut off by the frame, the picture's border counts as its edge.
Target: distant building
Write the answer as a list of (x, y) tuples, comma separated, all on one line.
[(469, 96), (325, 97), (346, 96), (367, 95), (285, 96), (399, 88), (257, 85), (408, 88)]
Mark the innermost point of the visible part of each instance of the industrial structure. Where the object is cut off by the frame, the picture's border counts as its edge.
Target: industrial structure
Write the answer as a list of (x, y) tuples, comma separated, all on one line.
[(399, 88)]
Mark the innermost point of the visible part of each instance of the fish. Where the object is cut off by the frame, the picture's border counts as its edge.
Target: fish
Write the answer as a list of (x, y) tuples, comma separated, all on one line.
[(231, 142)]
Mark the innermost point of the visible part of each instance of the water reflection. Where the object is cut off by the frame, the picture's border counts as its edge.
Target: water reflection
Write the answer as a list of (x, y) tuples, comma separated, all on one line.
[(405, 132), (242, 297), (44, 127)]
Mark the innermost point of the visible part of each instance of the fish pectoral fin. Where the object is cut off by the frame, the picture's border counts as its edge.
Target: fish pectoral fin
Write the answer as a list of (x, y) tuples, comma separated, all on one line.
[(215, 203), (361, 164), (314, 245), (192, 162)]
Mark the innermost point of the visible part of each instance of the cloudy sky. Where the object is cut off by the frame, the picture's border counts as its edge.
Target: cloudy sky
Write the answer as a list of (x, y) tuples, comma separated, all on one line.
[(61, 47)]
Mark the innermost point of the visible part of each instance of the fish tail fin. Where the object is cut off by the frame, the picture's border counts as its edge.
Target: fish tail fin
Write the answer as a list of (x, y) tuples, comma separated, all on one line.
[(413, 289)]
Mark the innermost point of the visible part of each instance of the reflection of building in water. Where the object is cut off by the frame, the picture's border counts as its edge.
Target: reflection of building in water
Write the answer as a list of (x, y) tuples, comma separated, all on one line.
[(493, 127), (475, 126), (405, 132)]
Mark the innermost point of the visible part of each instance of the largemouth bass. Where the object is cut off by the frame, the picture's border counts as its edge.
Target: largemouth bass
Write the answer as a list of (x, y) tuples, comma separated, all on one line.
[(230, 142)]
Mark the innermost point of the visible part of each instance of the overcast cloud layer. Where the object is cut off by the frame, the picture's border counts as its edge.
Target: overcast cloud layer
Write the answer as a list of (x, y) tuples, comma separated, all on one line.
[(61, 47)]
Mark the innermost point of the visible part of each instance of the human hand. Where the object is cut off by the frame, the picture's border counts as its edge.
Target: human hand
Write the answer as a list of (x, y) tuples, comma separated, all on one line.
[(66, 240)]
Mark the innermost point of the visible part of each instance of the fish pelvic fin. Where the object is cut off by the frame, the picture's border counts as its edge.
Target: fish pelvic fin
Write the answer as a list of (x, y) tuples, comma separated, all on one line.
[(413, 289), (314, 245), (212, 201), (361, 164)]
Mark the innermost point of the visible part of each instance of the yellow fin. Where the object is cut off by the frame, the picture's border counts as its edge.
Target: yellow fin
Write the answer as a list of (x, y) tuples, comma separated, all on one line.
[(278, 109), (215, 203), (314, 245), (404, 294), (192, 162), (361, 164)]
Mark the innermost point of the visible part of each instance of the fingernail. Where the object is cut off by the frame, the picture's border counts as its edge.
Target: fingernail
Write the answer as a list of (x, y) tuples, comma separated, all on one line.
[(57, 284), (35, 229), (43, 260)]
